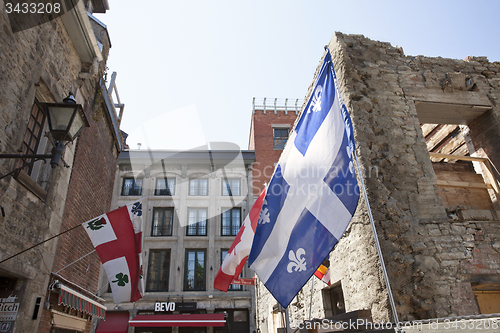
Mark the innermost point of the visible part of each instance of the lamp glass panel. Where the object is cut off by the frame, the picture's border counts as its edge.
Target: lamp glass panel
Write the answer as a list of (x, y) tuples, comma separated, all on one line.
[(77, 124), (60, 117)]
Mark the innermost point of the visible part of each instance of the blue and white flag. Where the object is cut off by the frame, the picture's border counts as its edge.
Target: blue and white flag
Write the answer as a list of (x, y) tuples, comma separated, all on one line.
[(312, 194)]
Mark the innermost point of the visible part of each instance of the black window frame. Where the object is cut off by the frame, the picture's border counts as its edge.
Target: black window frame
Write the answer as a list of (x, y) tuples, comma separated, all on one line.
[(279, 139), (233, 229), (195, 190), (228, 189), (33, 135), (158, 229), (198, 228), (168, 190), (134, 189), (159, 283), (232, 287), (203, 271)]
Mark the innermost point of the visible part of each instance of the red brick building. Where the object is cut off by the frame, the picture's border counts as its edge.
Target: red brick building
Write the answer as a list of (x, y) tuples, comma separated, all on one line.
[(272, 121)]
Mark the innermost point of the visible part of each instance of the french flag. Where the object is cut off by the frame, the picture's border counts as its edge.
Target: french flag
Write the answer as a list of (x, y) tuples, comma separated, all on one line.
[(312, 194)]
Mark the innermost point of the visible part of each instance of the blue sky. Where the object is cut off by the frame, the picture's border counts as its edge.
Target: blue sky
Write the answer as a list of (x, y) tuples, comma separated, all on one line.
[(188, 70)]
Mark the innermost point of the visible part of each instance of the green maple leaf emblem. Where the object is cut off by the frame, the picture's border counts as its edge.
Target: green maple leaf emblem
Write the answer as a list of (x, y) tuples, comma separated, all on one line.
[(97, 224), (122, 279)]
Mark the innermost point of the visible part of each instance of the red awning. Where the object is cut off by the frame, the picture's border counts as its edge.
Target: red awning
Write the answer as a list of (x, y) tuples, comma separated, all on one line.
[(116, 322), (179, 320), (75, 300)]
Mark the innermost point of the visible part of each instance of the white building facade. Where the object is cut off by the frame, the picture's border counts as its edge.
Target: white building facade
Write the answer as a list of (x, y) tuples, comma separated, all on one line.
[(193, 204)]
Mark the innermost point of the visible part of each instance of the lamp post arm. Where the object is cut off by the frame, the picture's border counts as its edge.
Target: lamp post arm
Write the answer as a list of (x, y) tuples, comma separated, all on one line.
[(35, 157)]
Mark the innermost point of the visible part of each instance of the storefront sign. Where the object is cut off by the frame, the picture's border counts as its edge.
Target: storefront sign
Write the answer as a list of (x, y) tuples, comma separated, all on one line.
[(174, 306), (9, 306), (245, 282)]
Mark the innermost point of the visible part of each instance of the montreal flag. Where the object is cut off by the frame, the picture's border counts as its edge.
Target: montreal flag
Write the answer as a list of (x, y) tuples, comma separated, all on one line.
[(312, 194), (117, 238)]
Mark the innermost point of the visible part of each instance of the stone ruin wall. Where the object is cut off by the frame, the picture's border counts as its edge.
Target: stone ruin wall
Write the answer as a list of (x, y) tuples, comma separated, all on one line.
[(431, 258)]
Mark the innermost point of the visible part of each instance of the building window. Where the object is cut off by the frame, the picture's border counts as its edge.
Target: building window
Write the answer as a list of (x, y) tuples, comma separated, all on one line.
[(231, 187), (198, 186), (233, 287), (280, 137), (163, 219), (33, 134), (194, 272), (197, 222), (158, 272), (132, 186), (231, 222), (165, 186)]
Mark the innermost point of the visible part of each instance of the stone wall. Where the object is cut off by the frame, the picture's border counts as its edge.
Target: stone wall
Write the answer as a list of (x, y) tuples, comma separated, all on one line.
[(432, 259), (41, 62)]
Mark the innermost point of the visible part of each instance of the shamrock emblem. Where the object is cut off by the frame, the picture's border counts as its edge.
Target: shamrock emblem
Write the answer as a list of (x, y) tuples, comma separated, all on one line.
[(137, 209), (97, 224), (122, 279)]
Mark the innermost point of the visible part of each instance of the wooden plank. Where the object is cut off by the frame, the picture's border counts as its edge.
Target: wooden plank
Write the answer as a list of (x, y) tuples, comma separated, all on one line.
[(428, 128), (457, 157), (463, 184), (443, 134)]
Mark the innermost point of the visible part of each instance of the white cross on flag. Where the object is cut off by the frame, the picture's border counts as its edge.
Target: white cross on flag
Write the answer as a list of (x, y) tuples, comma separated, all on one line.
[(117, 238), (312, 194)]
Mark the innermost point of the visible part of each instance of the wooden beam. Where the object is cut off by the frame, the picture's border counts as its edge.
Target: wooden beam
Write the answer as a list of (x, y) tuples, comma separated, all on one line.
[(463, 184), (457, 157)]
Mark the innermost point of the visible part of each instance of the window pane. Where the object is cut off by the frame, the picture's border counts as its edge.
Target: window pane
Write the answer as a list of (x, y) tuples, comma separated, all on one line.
[(226, 223), (158, 271), (193, 187), (132, 186), (162, 221), (194, 276), (280, 137), (203, 190)]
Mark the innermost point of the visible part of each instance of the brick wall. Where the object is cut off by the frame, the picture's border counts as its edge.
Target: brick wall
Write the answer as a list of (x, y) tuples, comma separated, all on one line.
[(261, 140), (89, 195)]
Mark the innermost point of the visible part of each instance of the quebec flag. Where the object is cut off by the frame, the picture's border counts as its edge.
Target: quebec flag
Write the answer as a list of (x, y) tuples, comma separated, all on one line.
[(312, 194)]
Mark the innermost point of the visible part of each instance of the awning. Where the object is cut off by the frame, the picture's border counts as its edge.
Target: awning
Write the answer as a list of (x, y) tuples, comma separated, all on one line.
[(180, 320), (77, 301), (116, 322)]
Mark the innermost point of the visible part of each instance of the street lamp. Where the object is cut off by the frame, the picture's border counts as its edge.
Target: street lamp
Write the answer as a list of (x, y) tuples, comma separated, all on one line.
[(65, 121)]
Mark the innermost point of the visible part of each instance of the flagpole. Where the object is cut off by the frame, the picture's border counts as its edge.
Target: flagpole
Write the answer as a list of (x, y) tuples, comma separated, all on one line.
[(377, 244), (311, 303), (287, 318), (38, 244)]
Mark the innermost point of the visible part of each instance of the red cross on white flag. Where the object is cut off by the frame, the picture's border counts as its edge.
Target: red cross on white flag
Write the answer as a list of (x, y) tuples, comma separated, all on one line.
[(117, 238)]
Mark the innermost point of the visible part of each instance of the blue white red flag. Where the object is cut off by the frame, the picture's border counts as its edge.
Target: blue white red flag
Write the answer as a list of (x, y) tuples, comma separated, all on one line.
[(312, 194)]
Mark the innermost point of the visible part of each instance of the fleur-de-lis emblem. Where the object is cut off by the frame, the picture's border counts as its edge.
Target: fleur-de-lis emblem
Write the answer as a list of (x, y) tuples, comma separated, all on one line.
[(122, 279), (137, 209), (316, 100), (297, 261), (97, 224), (264, 214)]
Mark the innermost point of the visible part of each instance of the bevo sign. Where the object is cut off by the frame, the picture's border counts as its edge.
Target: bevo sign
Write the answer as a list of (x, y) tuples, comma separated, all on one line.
[(174, 306)]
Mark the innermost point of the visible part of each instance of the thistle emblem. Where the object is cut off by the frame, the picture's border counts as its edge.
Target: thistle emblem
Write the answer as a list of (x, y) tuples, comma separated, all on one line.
[(97, 224), (297, 261)]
